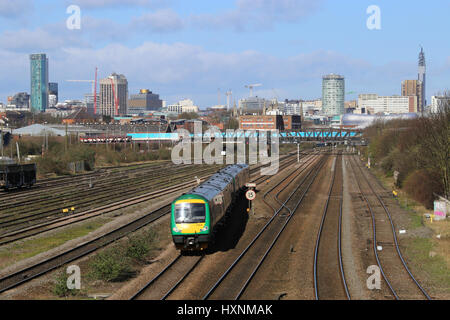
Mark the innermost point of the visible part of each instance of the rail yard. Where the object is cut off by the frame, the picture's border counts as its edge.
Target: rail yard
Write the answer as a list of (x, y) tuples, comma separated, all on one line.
[(312, 232)]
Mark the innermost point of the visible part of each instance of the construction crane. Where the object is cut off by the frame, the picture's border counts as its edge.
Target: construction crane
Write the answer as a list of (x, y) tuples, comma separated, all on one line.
[(251, 86), (94, 88)]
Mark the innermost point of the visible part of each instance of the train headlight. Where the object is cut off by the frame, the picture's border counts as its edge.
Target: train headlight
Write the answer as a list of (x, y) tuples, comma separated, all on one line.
[(176, 229), (204, 229)]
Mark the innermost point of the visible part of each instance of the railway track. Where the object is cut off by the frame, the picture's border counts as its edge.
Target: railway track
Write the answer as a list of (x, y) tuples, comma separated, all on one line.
[(168, 280), (27, 204), (162, 286), (68, 220), (19, 277), (10, 223), (22, 276), (329, 275), (32, 230), (233, 283), (401, 282), (61, 183)]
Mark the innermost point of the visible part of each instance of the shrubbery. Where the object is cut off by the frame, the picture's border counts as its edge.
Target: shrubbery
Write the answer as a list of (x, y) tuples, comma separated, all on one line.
[(421, 184), (60, 288), (418, 149), (115, 264), (110, 265), (55, 158)]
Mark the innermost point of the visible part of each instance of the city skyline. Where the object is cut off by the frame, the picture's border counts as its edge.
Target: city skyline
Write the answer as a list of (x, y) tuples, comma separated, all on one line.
[(181, 51)]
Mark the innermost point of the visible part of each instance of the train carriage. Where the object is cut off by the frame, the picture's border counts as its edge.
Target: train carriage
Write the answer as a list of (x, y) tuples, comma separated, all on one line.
[(196, 214), (17, 175)]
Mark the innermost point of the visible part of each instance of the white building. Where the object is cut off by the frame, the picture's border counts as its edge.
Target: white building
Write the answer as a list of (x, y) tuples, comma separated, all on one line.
[(437, 102), (293, 109), (333, 95), (312, 107), (183, 106), (52, 100), (374, 104)]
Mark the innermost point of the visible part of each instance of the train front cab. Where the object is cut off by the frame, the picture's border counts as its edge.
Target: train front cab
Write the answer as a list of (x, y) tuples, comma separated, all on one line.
[(191, 223)]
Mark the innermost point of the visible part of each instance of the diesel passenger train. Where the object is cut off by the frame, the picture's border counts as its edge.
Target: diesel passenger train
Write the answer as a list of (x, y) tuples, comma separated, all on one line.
[(196, 214)]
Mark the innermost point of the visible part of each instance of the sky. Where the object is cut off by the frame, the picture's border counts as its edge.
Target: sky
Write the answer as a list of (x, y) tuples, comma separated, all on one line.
[(195, 48)]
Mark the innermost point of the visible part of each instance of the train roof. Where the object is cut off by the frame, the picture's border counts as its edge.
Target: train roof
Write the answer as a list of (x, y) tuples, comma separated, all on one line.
[(218, 181)]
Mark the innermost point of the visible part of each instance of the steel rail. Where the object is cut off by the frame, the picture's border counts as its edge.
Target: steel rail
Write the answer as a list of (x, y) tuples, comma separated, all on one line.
[(19, 277), (12, 280), (374, 231), (231, 267), (148, 284), (170, 265), (397, 247), (269, 249), (319, 236)]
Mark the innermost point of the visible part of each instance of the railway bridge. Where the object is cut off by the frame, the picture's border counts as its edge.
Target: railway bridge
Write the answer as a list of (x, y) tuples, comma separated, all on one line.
[(325, 135)]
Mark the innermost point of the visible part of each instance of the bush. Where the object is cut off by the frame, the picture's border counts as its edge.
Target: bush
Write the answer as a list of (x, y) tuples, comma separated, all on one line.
[(60, 288), (139, 246), (111, 265), (421, 184)]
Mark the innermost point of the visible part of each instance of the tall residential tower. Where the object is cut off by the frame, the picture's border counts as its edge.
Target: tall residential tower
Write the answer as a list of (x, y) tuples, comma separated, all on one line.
[(333, 95), (39, 82), (113, 95)]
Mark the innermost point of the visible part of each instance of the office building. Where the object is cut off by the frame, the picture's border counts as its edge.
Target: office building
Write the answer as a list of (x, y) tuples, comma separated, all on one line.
[(261, 122), (144, 101), (414, 88), (90, 102), (253, 105), (293, 109), (312, 107), (53, 89), (333, 95), (375, 104), (39, 82), (113, 95), (20, 100), (183, 106), (438, 102)]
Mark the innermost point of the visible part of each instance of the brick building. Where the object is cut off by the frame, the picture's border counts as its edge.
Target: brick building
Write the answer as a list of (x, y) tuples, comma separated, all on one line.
[(270, 122)]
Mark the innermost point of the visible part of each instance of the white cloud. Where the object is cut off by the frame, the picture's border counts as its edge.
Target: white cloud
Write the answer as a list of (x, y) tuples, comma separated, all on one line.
[(164, 20), (257, 14), (13, 9), (183, 68), (50, 37), (93, 4)]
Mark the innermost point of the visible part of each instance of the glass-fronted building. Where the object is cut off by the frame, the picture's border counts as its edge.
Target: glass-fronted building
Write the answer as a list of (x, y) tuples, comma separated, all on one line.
[(39, 82), (333, 95)]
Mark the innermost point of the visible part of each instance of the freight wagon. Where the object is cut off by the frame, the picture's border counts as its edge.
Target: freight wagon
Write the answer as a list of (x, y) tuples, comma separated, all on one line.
[(17, 175)]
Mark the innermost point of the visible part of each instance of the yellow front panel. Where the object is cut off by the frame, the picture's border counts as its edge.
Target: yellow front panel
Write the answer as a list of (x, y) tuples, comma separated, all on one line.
[(190, 201), (190, 228)]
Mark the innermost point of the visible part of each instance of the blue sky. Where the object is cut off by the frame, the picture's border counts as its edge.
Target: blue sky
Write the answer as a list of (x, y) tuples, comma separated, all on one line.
[(190, 49)]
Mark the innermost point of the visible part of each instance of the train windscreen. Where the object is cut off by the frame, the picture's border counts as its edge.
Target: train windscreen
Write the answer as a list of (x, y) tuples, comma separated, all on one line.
[(190, 213)]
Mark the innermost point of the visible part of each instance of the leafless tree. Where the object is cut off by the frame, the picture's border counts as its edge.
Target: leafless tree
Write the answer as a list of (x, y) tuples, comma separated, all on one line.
[(434, 148)]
